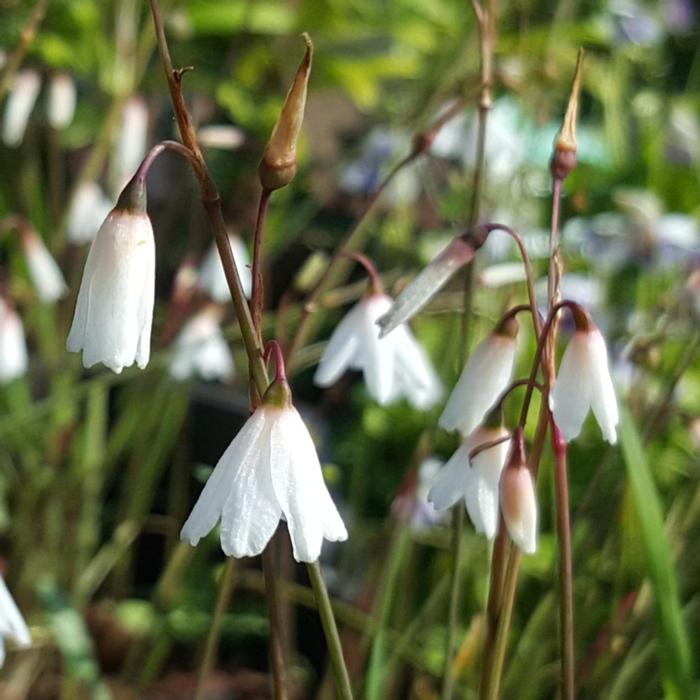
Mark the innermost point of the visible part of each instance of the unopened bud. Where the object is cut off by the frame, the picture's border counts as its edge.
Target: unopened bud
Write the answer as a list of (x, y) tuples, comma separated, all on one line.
[(518, 502), (279, 162), (564, 157)]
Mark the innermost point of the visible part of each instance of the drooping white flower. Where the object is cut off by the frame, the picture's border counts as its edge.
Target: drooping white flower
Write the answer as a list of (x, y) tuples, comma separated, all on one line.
[(200, 348), (114, 311), (486, 375), (211, 272), (519, 506), (13, 346), (411, 503), (476, 482), (270, 471), (19, 105), (88, 209), (62, 99), (584, 383), (12, 624), (43, 269), (393, 366), (133, 137)]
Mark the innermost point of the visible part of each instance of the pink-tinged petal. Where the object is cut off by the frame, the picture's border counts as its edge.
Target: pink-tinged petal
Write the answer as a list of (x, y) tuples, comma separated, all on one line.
[(341, 349), (298, 484), (486, 375), (519, 507), (240, 456), (570, 399), (603, 400)]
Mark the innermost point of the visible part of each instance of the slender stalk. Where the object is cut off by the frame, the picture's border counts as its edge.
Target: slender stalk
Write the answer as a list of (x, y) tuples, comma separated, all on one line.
[(566, 611), (277, 646), (211, 647), (335, 649), (448, 679), (258, 293)]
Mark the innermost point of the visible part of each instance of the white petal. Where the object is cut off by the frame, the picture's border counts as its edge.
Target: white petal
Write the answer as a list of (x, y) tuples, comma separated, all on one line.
[(13, 347), (417, 378), (486, 375), (299, 487), (62, 99), (133, 135), (341, 348), (377, 357), (212, 276), (200, 348), (43, 269), (603, 401), (12, 623), (452, 480), (487, 467), (251, 513), (88, 209), (570, 398), (243, 450), (19, 105)]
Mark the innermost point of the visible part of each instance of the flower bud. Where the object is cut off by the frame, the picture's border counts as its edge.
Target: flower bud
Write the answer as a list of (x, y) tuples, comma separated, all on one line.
[(518, 501), (564, 156), (279, 161), (19, 106), (43, 269), (62, 98), (13, 346)]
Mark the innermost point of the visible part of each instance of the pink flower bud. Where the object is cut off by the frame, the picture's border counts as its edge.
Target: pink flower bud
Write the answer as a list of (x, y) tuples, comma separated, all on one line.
[(519, 505)]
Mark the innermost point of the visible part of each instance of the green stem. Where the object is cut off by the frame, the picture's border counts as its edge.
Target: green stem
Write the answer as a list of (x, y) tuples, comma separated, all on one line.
[(211, 647), (335, 649)]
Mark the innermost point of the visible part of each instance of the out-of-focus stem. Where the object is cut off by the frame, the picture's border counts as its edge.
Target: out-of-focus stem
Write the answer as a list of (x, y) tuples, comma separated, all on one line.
[(25, 39), (335, 649), (211, 647), (277, 645)]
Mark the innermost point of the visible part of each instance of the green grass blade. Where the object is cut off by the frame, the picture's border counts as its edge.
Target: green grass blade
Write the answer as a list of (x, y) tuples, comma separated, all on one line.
[(674, 645)]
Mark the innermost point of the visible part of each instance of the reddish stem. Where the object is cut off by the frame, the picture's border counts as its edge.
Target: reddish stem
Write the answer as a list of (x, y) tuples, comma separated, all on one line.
[(274, 347), (375, 278), (258, 294)]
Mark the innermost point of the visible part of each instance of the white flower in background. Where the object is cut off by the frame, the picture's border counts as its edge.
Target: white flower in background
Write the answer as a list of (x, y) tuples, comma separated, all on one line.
[(13, 347), (43, 269), (486, 375), (223, 136), (501, 274), (12, 624), (211, 272), (133, 137), (88, 209), (393, 366), (62, 99), (114, 311), (519, 505), (270, 471), (476, 482), (200, 348), (412, 504), (584, 383), (19, 105)]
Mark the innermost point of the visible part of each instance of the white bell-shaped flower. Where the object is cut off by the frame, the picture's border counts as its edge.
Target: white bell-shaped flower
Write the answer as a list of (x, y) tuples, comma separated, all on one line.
[(519, 503), (200, 348), (62, 99), (212, 276), (19, 105), (393, 366), (114, 311), (13, 346), (269, 472), (44, 271), (584, 383), (88, 209), (476, 482), (486, 375), (12, 624)]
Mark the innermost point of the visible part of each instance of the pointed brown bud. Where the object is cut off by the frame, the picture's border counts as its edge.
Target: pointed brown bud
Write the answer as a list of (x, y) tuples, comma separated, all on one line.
[(564, 157), (279, 162)]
